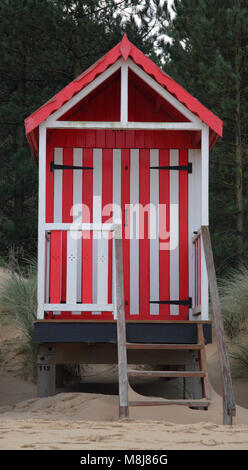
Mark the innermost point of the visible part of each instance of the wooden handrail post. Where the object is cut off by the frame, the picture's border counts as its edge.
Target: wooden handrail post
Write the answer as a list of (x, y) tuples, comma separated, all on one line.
[(121, 324), (229, 407)]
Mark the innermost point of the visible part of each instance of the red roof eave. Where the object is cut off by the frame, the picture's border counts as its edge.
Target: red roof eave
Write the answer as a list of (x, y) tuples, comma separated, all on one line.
[(125, 49)]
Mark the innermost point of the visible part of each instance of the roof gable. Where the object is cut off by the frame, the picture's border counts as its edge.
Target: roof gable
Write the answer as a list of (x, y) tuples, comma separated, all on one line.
[(126, 50)]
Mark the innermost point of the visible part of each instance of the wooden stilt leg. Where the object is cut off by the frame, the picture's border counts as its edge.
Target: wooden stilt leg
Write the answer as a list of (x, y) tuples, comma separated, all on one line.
[(45, 372), (121, 327)]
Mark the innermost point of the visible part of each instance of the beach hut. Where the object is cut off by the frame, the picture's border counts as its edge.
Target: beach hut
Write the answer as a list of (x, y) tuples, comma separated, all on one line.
[(122, 149)]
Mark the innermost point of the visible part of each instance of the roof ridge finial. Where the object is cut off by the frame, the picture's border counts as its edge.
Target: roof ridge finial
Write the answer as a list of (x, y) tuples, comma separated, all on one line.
[(125, 47)]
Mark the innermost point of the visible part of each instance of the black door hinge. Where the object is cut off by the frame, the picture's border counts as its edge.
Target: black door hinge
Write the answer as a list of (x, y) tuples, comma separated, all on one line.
[(55, 166), (187, 302), (187, 168)]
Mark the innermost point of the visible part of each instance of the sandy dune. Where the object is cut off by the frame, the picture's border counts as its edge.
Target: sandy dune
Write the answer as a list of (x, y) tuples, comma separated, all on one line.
[(90, 420)]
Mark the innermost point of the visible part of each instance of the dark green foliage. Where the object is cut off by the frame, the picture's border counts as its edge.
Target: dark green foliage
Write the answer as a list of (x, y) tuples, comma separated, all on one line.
[(44, 44), (208, 56)]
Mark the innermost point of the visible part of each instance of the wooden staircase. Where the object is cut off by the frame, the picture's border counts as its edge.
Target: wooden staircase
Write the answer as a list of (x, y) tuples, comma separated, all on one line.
[(123, 347), (202, 373), (229, 408)]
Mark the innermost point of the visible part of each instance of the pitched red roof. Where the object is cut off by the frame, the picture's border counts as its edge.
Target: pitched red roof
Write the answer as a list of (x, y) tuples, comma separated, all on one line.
[(125, 49)]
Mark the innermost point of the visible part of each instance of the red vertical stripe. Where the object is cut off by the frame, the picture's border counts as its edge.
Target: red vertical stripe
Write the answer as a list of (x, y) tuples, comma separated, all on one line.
[(107, 207), (164, 224), (125, 200), (183, 235), (144, 242), (67, 202), (49, 185), (87, 217), (55, 267), (196, 270), (199, 272)]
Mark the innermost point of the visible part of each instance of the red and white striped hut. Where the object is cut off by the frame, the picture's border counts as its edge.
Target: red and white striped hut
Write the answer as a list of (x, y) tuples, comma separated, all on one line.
[(123, 143)]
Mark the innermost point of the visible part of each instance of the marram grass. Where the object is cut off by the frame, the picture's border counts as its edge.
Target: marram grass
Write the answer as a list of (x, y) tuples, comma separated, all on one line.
[(234, 300), (18, 300)]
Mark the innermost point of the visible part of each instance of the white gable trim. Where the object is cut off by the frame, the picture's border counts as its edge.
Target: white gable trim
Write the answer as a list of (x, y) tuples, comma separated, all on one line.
[(52, 119), (84, 92), (176, 126), (163, 93), (124, 92)]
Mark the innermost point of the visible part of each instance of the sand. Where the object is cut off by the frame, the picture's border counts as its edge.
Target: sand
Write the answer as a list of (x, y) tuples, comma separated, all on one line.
[(73, 420)]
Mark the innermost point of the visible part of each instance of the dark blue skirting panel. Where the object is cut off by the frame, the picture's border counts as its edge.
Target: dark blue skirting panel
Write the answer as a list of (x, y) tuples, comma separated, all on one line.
[(86, 332)]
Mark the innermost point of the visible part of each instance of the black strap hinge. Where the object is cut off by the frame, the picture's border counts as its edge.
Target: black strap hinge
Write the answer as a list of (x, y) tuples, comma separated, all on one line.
[(187, 168), (187, 302), (55, 166)]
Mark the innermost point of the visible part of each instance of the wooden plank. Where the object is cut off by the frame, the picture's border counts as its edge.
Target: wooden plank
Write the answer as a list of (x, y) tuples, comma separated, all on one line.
[(124, 93), (55, 267), (203, 361), (98, 227), (153, 346), (41, 223), (45, 372), (183, 234), (164, 233), (77, 214), (121, 326), (117, 214), (204, 215), (195, 403), (79, 307), (174, 232), (117, 125), (72, 269), (107, 211), (154, 232), (87, 242), (191, 322), (133, 232), (165, 373), (229, 401), (144, 242)]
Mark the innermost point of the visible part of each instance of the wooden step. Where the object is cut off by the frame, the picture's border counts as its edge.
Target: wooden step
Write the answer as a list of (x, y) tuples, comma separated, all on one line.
[(160, 402), (166, 346), (165, 373)]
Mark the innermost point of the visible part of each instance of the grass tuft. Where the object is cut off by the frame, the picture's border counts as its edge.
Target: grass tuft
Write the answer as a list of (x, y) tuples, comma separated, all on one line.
[(240, 361), (234, 300), (18, 299)]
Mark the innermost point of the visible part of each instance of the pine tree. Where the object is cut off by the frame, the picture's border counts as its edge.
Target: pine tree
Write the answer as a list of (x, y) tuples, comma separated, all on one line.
[(44, 44), (208, 56)]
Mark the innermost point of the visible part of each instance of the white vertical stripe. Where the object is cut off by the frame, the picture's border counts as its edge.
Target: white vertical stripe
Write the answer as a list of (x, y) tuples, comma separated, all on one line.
[(58, 189), (71, 277), (97, 213), (154, 238), (41, 222), (204, 174), (134, 232), (58, 178), (174, 232), (124, 92), (100, 243), (194, 201), (204, 217), (117, 216), (77, 214), (116, 186)]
